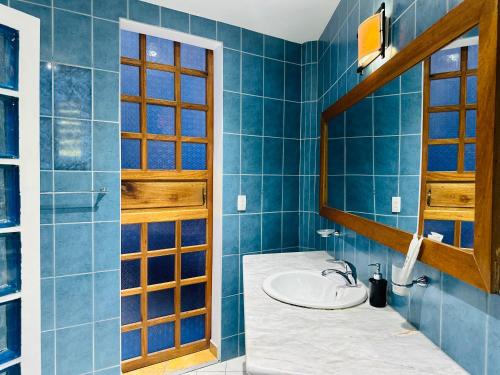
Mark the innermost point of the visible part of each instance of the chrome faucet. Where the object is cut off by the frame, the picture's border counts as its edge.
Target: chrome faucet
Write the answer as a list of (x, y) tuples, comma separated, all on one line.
[(346, 272)]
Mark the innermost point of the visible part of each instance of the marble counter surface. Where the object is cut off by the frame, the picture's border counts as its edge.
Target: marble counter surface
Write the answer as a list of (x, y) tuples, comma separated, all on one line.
[(283, 339)]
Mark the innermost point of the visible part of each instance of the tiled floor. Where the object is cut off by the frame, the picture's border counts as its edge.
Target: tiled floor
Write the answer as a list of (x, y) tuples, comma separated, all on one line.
[(234, 366)]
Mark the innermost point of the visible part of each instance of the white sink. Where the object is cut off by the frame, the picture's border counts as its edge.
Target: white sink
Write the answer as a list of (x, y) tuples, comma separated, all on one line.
[(311, 289)]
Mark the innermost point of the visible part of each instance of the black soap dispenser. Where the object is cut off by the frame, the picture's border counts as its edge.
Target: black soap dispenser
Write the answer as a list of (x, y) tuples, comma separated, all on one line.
[(378, 288)]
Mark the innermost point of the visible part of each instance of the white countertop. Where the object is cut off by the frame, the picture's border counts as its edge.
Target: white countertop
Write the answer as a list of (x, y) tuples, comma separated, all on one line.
[(285, 339)]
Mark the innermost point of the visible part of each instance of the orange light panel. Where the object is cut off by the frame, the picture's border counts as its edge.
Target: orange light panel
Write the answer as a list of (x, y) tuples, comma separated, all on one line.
[(370, 40)]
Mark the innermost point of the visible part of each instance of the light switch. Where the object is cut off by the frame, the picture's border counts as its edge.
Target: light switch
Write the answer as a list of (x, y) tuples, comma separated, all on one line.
[(396, 205), (242, 202)]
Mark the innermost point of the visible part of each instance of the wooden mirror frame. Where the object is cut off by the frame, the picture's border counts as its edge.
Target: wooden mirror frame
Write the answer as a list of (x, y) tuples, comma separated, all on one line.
[(481, 266)]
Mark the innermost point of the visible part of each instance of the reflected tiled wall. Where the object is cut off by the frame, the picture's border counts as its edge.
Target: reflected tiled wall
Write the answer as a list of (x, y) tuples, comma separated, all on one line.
[(462, 320), (80, 153)]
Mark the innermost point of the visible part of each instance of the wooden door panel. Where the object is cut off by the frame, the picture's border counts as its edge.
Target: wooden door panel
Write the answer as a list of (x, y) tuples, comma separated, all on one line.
[(461, 195)]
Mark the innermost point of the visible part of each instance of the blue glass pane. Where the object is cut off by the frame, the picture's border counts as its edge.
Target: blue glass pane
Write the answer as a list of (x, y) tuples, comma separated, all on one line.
[(193, 57), (447, 60), (470, 124), (192, 329), (9, 57), (193, 89), (194, 232), (194, 123), (9, 127), (194, 156), (12, 370), (9, 196), (192, 297), (442, 158), (131, 154), (161, 269), (131, 274), (161, 235), (472, 57), (161, 119), (129, 44), (159, 50), (443, 125), (161, 303), (445, 91), (131, 114), (131, 344), (10, 263), (10, 330), (161, 337), (470, 157), (130, 80), (471, 89), (444, 227), (161, 155), (160, 84), (467, 234), (131, 238), (131, 309), (193, 264)]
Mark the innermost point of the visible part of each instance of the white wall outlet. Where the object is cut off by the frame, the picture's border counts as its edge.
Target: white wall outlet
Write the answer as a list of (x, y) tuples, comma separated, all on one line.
[(242, 202), (396, 205)]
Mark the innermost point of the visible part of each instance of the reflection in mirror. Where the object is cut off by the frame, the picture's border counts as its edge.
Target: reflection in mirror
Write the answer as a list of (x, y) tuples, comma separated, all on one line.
[(424, 120)]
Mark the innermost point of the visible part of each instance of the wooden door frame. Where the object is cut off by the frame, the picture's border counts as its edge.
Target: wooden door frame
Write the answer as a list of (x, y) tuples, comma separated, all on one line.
[(480, 267)]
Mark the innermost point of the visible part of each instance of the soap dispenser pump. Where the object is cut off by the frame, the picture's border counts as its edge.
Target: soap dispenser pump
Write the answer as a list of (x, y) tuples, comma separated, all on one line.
[(378, 288)]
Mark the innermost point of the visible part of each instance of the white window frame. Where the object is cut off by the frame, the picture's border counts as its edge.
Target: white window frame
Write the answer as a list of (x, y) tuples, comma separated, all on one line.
[(29, 185)]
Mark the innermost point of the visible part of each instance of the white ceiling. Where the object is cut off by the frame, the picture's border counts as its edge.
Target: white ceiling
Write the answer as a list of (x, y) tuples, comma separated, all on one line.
[(295, 20)]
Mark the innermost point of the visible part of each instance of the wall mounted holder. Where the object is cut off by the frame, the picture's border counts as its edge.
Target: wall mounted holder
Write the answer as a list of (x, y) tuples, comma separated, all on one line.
[(422, 281), (325, 233)]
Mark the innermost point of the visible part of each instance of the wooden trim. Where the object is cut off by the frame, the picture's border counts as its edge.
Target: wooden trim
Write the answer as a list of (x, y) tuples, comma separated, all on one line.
[(166, 214), (479, 267)]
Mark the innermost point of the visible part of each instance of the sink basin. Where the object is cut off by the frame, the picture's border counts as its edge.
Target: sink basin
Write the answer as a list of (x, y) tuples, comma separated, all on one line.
[(311, 289)]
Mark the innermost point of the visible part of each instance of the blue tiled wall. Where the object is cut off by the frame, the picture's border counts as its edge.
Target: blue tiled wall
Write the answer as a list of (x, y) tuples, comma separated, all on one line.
[(80, 153), (462, 320)]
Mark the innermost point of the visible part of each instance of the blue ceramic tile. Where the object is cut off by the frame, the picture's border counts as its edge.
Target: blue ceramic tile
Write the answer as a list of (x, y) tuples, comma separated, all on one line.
[(47, 304), (250, 234), (493, 359), (108, 207), (411, 114), (73, 207), (358, 197), (271, 231), (80, 6), (385, 189), (72, 92), (229, 348), (106, 46), (174, 19), (230, 191), (106, 90), (252, 42), (46, 251), (251, 154), (252, 115), (273, 78), (231, 146), (45, 143), (359, 162), (410, 155), (290, 193), (230, 236), (290, 231), (403, 30), (292, 52), (292, 120), (252, 68), (409, 193), (106, 146), (464, 306), (72, 182), (45, 89), (106, 344), (352, 33), (72, 256), (46, 209), (336, 152), (428, 13), (399, 7), (110, 371), (232, 112), (48, 352), (144, 12), (229, 35), (251, 186), (230, 271), (386, 115), (291, 163), (241, 345), (272, 194), (74, 350), (73, 300), (45, 16), (230, 316), (241, 314), (232, 68), (106, 300), (203, 27), (274, 47), (273, 156), (359, 119), (408, 224), (110, 9), (273, 118), (411, 80), (386, 155), (106, 246), (72, 38)]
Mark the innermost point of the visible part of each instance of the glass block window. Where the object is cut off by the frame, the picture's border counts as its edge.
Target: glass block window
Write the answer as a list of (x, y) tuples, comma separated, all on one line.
[(192, 297), (131, 344), (467, 234), (161, 269), (159, 50), (444, 227), (194, 123), (131, 117), (10, 263), (161, 337), (161, 119), (131, 238), (161, 235), (130, 80), (443, 125), (446, 61), (131, 274), (9, 127), (193, 89), (161, 155), (193, 57), (192, 329), (194, 232), (10, 330), (160, 84), (129, 44), (9, 58), (131, 309), (442, 158), (161, 303), (194, 156), (12, 370), (131, 156), (9, 196), (193, 264), (445, 92)]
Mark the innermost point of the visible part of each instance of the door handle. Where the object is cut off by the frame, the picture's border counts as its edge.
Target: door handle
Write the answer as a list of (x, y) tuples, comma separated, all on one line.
[(204, 196), (429, 197)]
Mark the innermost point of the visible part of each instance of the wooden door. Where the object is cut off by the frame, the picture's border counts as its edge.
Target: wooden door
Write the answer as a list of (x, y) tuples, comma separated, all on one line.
[(166, 211)]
